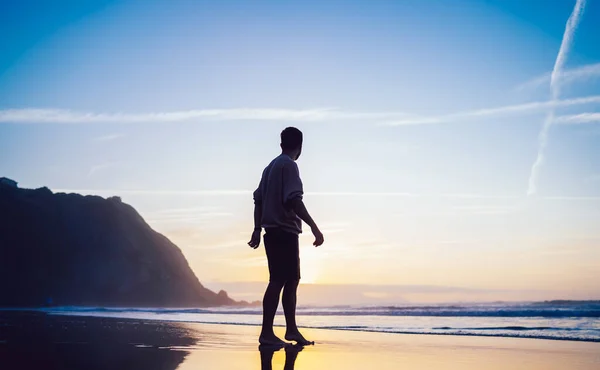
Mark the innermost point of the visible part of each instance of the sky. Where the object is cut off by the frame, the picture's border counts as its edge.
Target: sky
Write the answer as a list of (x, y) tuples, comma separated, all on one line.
[(451, 149)]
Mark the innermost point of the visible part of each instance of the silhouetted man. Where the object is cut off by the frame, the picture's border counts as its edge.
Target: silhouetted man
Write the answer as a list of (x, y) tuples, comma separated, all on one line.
[(279, 209)]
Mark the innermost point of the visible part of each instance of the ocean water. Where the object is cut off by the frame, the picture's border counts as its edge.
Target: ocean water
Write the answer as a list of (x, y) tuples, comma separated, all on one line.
[(561, 320)]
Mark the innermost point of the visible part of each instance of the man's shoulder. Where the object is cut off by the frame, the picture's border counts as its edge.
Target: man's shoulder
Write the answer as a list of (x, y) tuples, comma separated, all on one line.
[(276, 164), (281, 161)]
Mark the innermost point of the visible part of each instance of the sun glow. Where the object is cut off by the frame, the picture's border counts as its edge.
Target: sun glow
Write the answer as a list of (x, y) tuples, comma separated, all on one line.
[(310, 264)]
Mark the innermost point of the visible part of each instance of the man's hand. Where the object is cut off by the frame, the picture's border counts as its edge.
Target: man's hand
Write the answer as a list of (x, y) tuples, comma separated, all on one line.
[(255, 239), (318, 236)]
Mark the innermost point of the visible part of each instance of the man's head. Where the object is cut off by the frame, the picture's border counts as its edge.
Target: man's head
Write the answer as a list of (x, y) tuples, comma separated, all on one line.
[(291, 142)]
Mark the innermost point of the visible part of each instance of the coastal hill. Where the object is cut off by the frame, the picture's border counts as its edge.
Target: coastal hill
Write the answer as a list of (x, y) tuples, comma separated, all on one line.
[(69, 249)]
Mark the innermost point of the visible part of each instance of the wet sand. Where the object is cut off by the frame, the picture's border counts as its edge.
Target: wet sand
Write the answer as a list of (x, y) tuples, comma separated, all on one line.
[(38, 341)]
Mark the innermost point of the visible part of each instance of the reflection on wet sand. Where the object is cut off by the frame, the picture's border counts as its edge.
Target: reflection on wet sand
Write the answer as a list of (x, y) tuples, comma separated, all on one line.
[(39, 341), (266, 356)]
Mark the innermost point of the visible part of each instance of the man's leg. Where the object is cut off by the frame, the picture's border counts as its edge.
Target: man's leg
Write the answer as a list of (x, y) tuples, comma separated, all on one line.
[(270, 303), (266, 357), (291, 353), (289, 305), (289, 308)]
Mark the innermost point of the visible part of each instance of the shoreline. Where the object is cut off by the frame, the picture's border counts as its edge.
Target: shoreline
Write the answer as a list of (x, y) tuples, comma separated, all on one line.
[(352, 330), (343, 329), (30, 340)]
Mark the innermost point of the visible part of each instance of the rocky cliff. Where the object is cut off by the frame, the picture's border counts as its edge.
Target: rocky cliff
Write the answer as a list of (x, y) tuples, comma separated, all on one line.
[(69, 249)]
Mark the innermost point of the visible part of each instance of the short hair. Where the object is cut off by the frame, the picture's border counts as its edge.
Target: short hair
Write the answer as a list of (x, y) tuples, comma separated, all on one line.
[(291, 138)]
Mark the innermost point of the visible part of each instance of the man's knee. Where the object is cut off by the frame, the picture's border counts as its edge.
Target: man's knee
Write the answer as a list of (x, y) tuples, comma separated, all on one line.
[(291, 284), (277, 284)]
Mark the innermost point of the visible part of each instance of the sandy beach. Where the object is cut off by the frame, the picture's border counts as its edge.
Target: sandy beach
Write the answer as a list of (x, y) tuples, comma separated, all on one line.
[(34, 340)]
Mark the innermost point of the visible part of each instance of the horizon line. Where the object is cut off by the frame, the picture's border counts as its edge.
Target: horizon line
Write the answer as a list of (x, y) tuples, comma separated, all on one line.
[(225, 192)]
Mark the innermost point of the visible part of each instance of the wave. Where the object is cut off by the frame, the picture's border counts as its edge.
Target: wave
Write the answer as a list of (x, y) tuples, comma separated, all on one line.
[(518, 328), (588, 311), (475, 334)]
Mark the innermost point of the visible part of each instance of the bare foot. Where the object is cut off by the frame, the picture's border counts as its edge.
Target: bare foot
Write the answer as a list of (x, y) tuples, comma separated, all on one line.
[(271, 340), (298, 338), (294, 348)]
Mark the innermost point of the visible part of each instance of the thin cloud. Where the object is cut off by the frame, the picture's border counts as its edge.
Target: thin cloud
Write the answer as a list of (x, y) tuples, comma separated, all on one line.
[(408, 195), (64, 116), (454, 242), (332, 231), (563, 51), (571, 198), (588, 117), (100, 167), (223, 192), (487, 209), (582, 73), (155, 192), (111, 192), (109, 137), (497, 111), (186, 211), (58, 116), (188, 215), (197, 218), (468, 209)]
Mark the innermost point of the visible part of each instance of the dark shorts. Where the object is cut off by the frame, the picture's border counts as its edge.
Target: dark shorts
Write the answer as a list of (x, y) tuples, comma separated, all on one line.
[(283, 254)]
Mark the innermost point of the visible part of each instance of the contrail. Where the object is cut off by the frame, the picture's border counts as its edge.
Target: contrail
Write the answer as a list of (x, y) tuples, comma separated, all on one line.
[(588, 117), (564, 49), (569, 76)]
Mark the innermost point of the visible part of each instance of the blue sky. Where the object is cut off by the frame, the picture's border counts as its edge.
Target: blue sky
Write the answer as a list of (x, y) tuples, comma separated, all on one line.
[(421, 123)]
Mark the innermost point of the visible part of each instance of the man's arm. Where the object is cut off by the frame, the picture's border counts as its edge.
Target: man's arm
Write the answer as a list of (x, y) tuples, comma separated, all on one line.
[(292, 195), (300, 209), (257, 196), (255, 239), (257, 216)]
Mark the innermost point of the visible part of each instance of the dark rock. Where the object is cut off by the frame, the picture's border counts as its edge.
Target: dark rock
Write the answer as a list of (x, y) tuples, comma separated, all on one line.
[(69, 249)]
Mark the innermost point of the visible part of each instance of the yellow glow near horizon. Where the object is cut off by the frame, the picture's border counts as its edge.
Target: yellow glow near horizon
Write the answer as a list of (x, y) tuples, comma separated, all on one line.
[(409, 253), (310, 265)]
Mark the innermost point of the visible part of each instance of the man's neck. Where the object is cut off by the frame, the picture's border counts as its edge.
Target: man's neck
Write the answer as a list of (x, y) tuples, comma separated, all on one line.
[(289, 154)]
